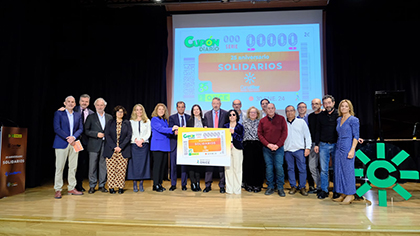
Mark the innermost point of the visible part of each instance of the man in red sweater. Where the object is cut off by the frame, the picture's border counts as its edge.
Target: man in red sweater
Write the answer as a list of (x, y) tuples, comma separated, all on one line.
[(272, 132)]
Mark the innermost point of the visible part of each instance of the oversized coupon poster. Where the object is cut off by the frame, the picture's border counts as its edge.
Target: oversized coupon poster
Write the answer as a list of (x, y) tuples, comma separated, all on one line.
[(203, 146), (249, 63)]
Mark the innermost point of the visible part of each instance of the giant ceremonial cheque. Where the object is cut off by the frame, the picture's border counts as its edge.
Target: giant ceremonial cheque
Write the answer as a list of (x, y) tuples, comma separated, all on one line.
[(204, 146)]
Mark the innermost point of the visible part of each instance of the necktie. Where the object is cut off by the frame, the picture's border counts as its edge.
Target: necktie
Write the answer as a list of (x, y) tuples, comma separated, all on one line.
[(216, 119), (83, 114), (182, 121)]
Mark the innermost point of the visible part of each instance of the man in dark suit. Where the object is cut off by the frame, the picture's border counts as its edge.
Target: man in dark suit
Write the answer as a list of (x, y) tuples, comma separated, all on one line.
[(95, 132), (179, 119), (68, 126), (216, 118), (83, 155)]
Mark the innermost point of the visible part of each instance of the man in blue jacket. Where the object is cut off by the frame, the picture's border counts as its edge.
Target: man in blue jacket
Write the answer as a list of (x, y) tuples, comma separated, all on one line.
[(68, 126)]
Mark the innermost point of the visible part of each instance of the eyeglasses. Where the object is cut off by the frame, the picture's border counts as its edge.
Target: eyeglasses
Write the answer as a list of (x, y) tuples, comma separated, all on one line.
[(232, 114), (237, 104)]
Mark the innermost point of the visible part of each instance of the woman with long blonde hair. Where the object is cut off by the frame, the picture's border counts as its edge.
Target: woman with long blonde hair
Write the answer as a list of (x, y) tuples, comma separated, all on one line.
[(160, 145), (348, 135), (139, 164)]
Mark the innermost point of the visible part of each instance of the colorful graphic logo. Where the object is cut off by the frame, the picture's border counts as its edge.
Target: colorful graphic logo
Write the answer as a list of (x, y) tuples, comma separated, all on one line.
[(11, 184), (387, 182), (203, 87), (12, 173), (249, 78), (189, 136), (209, 44)]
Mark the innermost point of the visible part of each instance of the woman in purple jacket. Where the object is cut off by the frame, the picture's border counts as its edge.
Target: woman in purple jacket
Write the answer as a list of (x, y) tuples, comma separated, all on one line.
[(160, 144)]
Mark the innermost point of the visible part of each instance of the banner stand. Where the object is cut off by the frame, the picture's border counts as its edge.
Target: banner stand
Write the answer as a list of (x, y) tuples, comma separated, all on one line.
[(13, 146)]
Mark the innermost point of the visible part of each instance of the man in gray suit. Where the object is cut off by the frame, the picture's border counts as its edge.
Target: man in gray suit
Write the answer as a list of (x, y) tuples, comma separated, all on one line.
[(95, 131), (216, 118)]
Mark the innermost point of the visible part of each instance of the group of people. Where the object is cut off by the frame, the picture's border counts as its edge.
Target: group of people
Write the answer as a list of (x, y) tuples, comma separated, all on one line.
[(120, 149)]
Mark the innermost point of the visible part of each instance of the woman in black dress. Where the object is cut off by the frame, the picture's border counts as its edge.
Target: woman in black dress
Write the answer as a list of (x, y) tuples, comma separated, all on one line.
[(117, 149), (196, 121)]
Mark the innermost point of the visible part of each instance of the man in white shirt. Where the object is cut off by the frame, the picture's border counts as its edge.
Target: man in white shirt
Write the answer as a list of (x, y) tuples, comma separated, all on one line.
[(68, 126), (95, 131), (296, 147)]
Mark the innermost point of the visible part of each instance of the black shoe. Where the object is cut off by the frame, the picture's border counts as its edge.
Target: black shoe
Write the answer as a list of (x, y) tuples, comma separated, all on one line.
[(198, 187), (157, 188), (222, 190), (163, 188), (172, 188), (269, 191), (249, 188), (282, 193), (207, 189), (102, 189), (184, 188), (313, 191), (336, 195), (120, 191), (91, 190), (257, 189), (193, 187), (112, 191), (322, 195), (80, 189)]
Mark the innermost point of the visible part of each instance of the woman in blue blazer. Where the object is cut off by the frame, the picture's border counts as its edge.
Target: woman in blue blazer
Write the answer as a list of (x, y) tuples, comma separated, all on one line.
[(160, 143)]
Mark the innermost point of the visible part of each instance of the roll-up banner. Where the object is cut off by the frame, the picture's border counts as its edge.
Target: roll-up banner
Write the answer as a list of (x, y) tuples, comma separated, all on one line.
[(13, 147)]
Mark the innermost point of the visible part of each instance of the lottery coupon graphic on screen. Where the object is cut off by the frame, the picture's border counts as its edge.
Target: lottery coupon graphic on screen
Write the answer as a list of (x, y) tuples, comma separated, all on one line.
[(278, 62), (200, 146)]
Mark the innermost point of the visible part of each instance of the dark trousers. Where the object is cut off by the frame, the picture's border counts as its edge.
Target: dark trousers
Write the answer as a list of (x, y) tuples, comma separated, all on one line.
[(158, 166), (209, 175), (174, 170), (82, 168), (194, 172), (309, 177), (253, 164), (97, 167)]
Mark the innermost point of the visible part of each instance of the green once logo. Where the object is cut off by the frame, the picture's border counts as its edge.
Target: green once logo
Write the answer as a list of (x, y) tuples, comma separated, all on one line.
[(190, 42), (389, 181)]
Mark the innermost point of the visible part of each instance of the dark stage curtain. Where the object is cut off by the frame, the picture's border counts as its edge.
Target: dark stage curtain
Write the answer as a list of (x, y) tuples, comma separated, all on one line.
[(52, 49), (372, 45)]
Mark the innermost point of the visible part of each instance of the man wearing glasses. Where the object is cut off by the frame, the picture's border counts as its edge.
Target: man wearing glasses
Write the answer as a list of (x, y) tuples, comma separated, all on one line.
[(237, 105)]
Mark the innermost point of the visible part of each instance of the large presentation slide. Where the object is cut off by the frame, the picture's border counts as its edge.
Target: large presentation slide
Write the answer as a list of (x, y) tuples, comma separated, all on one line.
[(280, 62)]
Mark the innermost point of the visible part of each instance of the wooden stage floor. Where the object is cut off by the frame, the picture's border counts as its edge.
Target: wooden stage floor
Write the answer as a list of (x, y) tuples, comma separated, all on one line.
[(36, 212)]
